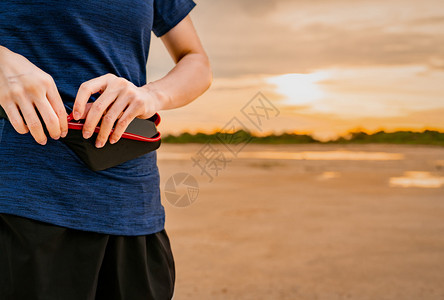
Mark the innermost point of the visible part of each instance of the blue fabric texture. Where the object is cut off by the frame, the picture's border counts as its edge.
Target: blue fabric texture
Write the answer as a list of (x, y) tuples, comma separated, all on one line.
[(75, 41)]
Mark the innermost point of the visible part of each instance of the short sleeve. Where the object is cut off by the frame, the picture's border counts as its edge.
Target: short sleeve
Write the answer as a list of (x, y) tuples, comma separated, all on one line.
[(168, 13)]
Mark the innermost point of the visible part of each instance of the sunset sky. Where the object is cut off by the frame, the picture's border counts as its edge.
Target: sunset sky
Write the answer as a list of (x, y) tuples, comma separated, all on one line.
[(328, 66)]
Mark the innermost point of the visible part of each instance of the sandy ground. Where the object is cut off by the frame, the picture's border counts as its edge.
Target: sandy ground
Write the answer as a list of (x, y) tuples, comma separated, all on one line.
[(269, 228)]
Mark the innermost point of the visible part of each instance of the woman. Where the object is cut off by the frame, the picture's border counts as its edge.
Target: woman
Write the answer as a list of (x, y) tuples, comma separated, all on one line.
[(67, 232)]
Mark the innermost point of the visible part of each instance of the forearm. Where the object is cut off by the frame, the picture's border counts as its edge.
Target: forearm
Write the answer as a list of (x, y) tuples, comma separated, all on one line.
[(189, 79), (5, 54), (3, 49)]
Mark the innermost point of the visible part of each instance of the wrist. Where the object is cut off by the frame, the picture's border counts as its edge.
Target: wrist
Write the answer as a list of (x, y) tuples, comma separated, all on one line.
[(3, 52), (160, 100)]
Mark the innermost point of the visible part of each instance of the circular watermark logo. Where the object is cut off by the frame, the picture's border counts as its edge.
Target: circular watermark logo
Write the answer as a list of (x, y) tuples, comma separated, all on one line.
[(181, 189)]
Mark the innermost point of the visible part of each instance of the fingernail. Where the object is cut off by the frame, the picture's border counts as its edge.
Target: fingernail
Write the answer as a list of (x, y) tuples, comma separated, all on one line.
[(87, 134), (43, 142), (99, 144), (112, 141), (76, 115), (64, 133)]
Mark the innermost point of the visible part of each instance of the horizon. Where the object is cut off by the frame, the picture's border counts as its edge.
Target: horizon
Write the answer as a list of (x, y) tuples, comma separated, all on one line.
[(357, 129), (348, 136), (328, 67)]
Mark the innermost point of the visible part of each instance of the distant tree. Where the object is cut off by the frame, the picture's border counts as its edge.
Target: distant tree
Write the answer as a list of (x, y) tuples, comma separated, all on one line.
[(427, 137)]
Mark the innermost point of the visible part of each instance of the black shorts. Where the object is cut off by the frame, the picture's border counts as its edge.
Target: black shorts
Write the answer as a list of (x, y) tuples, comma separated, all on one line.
[(43, 261)]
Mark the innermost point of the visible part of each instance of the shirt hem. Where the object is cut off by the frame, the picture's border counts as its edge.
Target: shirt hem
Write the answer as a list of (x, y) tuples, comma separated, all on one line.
[(158, 224)]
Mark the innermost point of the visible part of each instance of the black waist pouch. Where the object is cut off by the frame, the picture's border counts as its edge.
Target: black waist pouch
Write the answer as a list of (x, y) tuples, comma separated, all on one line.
[(140, 137)]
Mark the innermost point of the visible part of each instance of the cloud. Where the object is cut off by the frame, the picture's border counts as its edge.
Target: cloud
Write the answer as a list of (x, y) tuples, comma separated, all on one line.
[(434, 20), (418, 120), (248, 37), (258, 7)]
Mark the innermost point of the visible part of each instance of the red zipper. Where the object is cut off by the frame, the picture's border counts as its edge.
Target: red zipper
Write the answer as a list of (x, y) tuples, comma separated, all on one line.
[(73, 124)]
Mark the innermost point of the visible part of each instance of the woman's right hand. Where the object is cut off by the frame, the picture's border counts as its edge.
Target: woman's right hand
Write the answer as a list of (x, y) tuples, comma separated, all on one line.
[(25, 88)]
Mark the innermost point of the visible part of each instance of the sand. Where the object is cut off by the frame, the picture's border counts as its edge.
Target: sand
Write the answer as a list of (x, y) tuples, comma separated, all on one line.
[(317, 228)]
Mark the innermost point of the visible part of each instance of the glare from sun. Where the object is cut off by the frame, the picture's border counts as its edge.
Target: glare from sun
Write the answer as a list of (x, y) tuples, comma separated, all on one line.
[(298, 89)]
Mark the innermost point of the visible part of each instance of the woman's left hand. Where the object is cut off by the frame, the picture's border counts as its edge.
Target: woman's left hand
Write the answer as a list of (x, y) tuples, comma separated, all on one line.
[(120, 99)]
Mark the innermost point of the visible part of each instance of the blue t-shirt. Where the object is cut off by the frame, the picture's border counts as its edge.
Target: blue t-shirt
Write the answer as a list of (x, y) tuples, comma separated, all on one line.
[(75, 41)]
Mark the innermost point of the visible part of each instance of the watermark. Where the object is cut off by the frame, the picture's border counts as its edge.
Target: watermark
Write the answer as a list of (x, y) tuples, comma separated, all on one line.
[(215, 155), (210, 161), (181, 189), (259, 109), (234, 136)]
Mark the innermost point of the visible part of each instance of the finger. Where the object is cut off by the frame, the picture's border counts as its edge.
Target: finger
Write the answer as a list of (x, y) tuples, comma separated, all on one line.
[(53, 96), (97, 110), (127, 117), (16, 119), (49, 117), (86, 111), (109, 118), (85, 91), (33, 122)]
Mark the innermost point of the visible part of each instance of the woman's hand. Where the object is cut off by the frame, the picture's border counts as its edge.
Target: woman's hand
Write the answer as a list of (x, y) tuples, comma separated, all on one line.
[(120, 101), (26, 89)]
